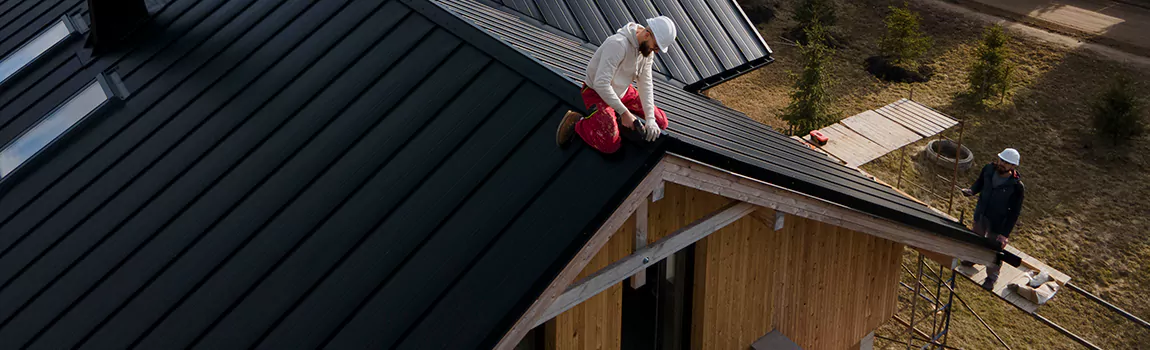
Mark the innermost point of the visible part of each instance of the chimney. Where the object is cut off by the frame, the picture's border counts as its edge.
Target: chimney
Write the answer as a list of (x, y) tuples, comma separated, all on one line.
[(113, 21)]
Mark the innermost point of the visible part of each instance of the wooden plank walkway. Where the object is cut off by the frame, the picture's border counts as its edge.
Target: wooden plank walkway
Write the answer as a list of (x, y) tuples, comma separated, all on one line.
[(850, 147), (1010, 274), (866, 136)]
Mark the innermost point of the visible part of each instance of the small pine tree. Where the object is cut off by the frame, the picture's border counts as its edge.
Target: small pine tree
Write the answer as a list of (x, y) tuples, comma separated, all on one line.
[(810, 100), (903, 41), (990, 73), (809, 12), (1118, 112)]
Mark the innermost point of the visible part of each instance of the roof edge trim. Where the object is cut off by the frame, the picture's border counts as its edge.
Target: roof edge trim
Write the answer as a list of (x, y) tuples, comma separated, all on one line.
[(726, 163), (755, 30), (724, 76)]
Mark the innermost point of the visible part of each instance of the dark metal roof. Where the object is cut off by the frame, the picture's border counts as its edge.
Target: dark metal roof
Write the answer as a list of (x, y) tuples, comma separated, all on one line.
[(355, 173), (290, 174), (704, 129), (715, 40)]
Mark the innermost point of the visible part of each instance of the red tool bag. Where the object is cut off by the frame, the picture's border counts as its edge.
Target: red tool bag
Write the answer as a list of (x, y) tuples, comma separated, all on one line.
[(818, 138)]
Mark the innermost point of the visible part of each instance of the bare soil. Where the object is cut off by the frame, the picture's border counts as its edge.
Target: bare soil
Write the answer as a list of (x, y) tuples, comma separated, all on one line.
[(1087, 207)]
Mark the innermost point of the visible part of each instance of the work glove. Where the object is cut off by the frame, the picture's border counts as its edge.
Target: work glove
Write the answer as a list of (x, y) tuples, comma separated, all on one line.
[(650, 130)]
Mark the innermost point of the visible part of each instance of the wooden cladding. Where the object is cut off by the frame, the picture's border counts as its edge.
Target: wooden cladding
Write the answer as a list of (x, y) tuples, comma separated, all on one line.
[(596, 323), (823, 286)]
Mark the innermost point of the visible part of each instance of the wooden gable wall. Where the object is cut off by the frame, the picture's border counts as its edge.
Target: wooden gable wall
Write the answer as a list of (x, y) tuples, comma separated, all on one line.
[(823, 286)]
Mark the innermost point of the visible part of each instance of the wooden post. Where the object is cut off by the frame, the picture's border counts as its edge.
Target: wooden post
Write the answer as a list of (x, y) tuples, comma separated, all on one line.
[(640, 278), (901, 166), (957, 153), (527, 321)]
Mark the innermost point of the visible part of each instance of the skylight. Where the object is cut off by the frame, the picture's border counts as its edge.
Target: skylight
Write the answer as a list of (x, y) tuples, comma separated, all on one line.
[(34, 48), (56, 123)]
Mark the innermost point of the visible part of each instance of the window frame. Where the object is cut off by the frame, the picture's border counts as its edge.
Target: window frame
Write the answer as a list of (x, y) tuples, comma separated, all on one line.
[(114, 91), (69, 25)]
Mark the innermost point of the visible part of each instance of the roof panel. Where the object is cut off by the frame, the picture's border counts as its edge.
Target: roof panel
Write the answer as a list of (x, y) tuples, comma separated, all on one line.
[(591, 19), (524, 6), (557, 14), (697, 49), (289, 172), (715, 42), (715, 35), (678, 66), (708, 129), (741, 30)]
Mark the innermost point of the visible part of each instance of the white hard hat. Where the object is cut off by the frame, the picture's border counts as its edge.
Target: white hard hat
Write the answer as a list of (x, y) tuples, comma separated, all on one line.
[(664, 31), (1010, 155)]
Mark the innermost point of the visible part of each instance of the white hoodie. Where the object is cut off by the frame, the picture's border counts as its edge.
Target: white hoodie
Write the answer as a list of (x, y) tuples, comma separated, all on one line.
[(616, 64)]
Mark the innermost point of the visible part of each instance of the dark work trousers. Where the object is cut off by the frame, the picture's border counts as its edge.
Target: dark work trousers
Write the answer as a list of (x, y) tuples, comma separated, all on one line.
[(981, 229)]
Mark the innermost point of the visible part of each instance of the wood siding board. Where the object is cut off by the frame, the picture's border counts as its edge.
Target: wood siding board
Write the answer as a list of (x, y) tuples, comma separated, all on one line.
[(572, 268), (807, 300), (705, 178)]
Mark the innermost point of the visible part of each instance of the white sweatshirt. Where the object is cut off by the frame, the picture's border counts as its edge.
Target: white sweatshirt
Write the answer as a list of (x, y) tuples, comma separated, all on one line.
[(616, 64)]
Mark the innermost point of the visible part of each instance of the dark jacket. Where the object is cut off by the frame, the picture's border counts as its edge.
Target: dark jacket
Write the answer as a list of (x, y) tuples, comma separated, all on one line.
[(999, 205)]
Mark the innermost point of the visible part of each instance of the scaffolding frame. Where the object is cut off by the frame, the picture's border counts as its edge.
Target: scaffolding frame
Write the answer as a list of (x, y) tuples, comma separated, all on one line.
[(929, 324)]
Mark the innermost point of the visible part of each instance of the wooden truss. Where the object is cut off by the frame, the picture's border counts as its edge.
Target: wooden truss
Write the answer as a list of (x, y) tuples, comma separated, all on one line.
[(748, 195)]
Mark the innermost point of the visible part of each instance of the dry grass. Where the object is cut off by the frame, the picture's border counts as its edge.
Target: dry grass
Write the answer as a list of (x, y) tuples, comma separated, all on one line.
[(1086, 211)]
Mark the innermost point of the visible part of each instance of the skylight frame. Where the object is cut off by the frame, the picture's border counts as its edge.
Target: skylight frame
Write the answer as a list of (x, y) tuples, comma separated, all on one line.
[(32, 50), (57, 124)]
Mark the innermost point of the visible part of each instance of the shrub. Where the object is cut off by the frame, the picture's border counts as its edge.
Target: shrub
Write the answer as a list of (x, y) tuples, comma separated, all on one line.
[(810, 99), (990, 73), (810, 12), (903, 42), (1117, 112)]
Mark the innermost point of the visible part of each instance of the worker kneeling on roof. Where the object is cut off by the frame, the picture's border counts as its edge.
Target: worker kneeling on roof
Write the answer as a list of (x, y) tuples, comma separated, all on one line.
[(610, 98), (1000, 192)]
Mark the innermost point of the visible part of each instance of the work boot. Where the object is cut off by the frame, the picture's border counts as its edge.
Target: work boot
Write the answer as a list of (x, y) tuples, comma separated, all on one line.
[(988, 284), (567, 128)]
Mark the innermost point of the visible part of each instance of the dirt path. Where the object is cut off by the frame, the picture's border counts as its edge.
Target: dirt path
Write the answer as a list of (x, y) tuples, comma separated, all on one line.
[(1073, 43)]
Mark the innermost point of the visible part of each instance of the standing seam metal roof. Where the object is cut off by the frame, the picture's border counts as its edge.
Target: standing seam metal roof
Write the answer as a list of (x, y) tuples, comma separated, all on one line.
[(709, 131), (715, 40), (295, 174)]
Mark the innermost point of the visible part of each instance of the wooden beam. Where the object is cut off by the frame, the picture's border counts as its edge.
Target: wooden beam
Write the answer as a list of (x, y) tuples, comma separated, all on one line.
[(528, 320), (642, 258), (640, 278), (657, 193), (706, 178)]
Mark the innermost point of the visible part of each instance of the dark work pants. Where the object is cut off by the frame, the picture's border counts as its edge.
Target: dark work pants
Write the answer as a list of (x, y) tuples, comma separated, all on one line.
[(980, 227)]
